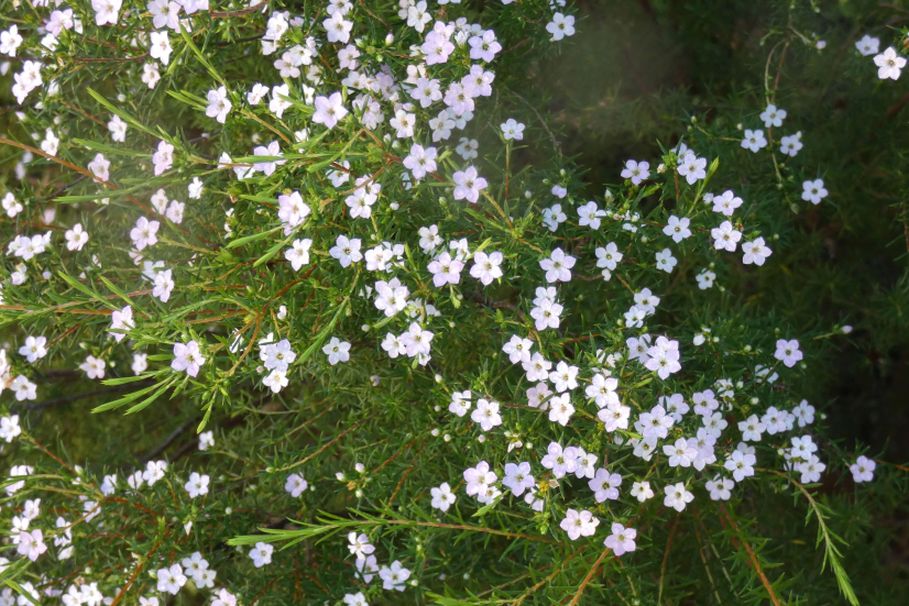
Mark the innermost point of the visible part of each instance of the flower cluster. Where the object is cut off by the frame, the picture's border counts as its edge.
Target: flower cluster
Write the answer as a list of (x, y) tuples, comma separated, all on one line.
[(316, 224)]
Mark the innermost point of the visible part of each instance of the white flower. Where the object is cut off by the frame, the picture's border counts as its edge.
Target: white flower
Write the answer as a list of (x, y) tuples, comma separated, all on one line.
[(478, 480), (590, 215), (93, 367), (100, 167), (518, 478), (692, 167), (772, 116), (27, 80), (608, 257), (605, 485), (487, 267), (346, 250), (726, 203), (171, 580), (34, 348), (677, 228), (361, 200), (558, 266), (76, 237), (279, 102), (889, 64), (741, 464), (292, 211), (276, 380), (197, 485), (106, 11), (553, 216), (868, 45), (484, 47), (150, 75), (187, 358), (261, 554), (278, 355), (720, 488), (160, 48), (194, 189), (163, 158), (11, 206), (329, 110), (791, 145), (560, 461), (512, 130), (31, 544), (165, 13), (486, 414), (665, 261), (788, 352), (755, 251), (863, 469), (359, 545), (641, 491), (579, 524), (417, 16), (394, 576), (546, 315), (680, 453), (437, 46), (445, 270), (163, 285), (813, 191), (621, 541), (754, 140), (420, 161), (561, 26), (298, 253), (145, 233), (663, 357), (10, 40), (636, 171), (353, 599), (337, 351), (442, 497), (9, 428), (677, 496), (154, 471), (117, 128), (337, 27), (391, 296), (725, 237), (50, 143), (197, 568), (518, 349), (219, 104), (295, 484), (468, 184), (206, 440)]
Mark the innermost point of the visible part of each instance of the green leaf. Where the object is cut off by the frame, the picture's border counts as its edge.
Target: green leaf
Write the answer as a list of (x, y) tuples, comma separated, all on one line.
[(200, 56), (147, 401), (252, 238), (85, 290), (124, 400), (123, 114)]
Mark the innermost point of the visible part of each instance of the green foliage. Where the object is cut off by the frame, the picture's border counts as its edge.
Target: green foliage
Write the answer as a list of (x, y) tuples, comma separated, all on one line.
[(375, 433)]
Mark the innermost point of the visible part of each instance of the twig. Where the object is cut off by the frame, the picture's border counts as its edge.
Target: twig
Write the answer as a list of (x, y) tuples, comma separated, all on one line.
[(727, 520), (665, 562), (168, 440), (590, 574)]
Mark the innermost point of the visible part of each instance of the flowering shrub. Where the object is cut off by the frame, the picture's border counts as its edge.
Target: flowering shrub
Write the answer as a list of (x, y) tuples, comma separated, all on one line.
[(416, 361)]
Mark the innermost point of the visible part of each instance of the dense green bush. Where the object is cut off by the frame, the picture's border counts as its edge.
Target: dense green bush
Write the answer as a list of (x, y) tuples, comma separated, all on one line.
[(458, 315)]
